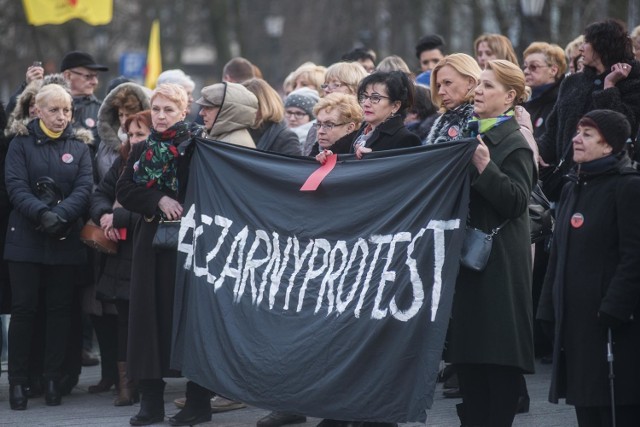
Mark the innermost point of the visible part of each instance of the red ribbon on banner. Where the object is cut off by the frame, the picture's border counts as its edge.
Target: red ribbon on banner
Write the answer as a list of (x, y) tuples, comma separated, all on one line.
[(314, 180)]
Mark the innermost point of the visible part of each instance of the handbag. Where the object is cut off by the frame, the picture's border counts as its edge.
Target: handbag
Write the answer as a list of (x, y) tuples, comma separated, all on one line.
[(93, 236), (476, 247), (166, 237), (540, 217)]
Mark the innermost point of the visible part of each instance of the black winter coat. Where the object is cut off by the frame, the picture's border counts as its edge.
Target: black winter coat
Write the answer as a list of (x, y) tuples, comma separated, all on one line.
[(67, 161), (580, 93), (595, 266), (389, 135), (540, 108), (114, 272), (153, 274), (276, 137)]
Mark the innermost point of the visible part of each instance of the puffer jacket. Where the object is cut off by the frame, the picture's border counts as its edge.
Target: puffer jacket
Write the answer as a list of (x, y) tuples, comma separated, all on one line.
[(67, 161)]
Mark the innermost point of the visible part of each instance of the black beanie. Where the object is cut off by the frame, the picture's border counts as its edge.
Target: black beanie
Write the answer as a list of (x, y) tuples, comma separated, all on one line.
[(612, 125)]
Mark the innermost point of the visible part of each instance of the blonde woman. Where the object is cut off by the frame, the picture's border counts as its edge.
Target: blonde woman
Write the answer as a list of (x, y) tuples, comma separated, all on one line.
[(153, 184), (270, 133), (490, 333), (494, 46), (339, 117), (452, 84), (49, 182), (342, 77), (544, 68)]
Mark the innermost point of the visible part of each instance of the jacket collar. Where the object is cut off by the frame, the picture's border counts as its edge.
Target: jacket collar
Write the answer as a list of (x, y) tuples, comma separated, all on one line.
[(41, 137)]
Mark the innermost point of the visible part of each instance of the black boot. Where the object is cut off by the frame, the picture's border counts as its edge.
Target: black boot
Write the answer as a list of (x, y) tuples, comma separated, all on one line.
[(151, 403), (52, 395), (17, 397), (197, 408)]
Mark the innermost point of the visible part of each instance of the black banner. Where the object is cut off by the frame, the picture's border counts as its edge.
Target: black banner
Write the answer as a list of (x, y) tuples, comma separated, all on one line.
[(331, 303)]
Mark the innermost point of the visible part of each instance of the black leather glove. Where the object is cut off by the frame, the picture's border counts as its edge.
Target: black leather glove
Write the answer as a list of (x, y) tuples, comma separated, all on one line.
[(54, 224), (608, 321)]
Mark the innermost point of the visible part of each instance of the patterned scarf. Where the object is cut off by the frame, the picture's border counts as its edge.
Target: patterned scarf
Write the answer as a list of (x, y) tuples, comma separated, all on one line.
[(157, 166), (477, 126), (449, 126)]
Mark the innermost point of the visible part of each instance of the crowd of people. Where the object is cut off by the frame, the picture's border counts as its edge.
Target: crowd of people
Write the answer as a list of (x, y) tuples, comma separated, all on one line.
[(567, 118)]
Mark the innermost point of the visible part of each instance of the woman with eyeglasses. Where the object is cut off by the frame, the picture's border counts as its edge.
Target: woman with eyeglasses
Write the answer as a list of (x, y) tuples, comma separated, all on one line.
[(339, 117), (385, 99), (298, 111), (544, 68), (342, 77), (452, 82)]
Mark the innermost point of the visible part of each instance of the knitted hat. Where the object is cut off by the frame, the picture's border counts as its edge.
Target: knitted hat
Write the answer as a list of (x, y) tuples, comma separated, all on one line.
[(612, 125), (304, 99)]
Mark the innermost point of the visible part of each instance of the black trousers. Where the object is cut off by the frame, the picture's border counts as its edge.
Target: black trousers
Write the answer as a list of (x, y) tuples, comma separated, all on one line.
[(600, 416), (489, 394), (27, 281)]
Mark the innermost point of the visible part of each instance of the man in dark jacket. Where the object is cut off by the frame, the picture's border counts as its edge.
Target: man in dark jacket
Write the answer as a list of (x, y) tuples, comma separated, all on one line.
[(80, 70)]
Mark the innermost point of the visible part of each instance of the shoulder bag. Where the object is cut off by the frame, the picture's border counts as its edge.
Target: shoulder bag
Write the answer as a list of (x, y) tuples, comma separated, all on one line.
[(476, 247)]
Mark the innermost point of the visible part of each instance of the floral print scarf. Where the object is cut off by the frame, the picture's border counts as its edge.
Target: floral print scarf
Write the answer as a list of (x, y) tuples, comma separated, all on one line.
[(157, 165)]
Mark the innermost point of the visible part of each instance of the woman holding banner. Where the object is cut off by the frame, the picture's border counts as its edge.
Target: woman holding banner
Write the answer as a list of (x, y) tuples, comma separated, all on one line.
[(490, 333), (153, 185), (385, 99), (452, 83)]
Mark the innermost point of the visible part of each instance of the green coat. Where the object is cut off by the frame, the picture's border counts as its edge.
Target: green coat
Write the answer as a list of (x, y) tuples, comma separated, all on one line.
[(492, 311)]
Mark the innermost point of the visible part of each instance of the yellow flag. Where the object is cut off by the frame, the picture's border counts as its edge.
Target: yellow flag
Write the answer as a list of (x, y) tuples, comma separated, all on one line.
[(93, 12), (154, 57)]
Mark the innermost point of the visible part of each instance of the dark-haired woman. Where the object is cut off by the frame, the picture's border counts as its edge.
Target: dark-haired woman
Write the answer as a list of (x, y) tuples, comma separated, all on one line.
[(591, 295), (385, 99), (611, 80)]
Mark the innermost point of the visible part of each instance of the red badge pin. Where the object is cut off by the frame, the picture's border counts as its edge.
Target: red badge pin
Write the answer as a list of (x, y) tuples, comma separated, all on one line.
[(67, 158), (539, 122), (453, 131), (89, 122), (577, 219)]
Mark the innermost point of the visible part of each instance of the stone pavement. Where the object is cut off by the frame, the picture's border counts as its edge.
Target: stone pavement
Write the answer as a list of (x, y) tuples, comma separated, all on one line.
[(84, 409)]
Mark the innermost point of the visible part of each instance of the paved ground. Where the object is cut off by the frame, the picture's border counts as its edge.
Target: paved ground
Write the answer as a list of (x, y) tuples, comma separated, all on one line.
[(84, 409)]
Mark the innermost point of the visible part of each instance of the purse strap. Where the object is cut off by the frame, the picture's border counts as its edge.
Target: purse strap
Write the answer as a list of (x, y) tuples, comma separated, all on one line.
[(495, 231)]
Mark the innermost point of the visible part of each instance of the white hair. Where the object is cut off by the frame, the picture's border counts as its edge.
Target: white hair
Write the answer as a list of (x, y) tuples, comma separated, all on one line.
[(178, 77)]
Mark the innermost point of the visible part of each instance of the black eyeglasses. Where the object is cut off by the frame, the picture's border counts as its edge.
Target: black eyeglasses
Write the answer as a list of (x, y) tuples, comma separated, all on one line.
[(534, 67), (327, 126), (86, 76), (296, 114), (375, 98)]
